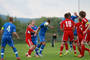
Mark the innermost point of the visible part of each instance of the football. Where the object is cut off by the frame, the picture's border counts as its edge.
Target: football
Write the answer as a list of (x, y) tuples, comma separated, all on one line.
[(46, 24)]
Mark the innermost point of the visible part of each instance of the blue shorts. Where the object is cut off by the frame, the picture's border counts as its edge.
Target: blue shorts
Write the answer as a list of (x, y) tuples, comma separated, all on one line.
[(35, 40), (42, 38), (7, 40)]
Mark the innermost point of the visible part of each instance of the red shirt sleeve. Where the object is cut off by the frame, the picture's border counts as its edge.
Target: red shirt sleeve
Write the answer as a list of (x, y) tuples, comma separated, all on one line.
[(30, 29), (61, 25)]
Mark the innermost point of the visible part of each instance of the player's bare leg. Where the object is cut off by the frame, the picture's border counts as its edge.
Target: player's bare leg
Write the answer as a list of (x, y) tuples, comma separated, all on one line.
[(30, 51)]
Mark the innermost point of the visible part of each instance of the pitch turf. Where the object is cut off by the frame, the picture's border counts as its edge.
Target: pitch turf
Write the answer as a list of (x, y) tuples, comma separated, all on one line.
[(49, 53)]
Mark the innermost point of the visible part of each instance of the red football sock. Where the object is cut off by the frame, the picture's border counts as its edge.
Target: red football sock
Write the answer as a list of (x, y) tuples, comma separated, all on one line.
[(79, 50), (86, 49), (61, 49), (30, 50), (66, 46), (74, 48), (82, 49)]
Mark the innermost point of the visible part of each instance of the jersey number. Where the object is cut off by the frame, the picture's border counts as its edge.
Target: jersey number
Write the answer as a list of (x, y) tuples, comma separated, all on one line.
[(68, 23), (29, 32), (8, 28)]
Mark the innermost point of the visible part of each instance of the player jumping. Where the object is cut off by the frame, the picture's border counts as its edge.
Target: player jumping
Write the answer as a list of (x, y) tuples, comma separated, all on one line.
[(43, 28), (67, 26)]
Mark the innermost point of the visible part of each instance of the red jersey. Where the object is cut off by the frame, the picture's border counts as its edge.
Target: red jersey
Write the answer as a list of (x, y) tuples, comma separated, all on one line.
[(84, 21), (88, 31), (28, 31), (67, 24), (79, 28)]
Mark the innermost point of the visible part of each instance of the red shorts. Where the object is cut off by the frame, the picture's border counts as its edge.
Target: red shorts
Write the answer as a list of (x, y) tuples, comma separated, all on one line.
[(68, 34), (79, 37), (29, 42)]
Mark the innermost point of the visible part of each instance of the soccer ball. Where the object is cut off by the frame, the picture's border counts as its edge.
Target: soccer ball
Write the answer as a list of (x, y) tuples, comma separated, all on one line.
[(46, 24)]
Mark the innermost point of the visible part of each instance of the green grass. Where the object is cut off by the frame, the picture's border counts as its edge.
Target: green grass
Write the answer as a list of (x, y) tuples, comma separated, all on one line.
[(49, 53)]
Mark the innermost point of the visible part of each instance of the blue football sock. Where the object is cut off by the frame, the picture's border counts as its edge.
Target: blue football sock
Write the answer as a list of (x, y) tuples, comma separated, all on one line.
[(70, 45), (41, 49), (37, 48), (15, 51), (2, 52)]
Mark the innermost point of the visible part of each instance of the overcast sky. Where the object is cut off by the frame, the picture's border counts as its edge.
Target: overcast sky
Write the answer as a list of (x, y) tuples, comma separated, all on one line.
[(38, 8)]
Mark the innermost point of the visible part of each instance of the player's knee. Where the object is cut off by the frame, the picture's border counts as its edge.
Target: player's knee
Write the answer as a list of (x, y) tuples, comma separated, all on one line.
[(44, 43), (12, 47), (62, 43), (2, 47)]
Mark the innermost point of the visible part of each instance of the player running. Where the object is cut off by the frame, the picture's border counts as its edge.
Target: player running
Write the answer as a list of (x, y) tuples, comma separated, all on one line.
[(31, 38), (67, 26), (84, 23), (43, 28), (8, 29)]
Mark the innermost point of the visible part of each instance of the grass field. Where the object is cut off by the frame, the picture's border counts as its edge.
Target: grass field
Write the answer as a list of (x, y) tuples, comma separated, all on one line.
[(49, 53)]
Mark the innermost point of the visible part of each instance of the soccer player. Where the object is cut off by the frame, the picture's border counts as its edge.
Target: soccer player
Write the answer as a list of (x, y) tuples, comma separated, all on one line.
[(84, 23), (73, 17), (79, 34), (67, 26), (31, 38), (43, 28), (87, 31), (54, 37), (8, 29)]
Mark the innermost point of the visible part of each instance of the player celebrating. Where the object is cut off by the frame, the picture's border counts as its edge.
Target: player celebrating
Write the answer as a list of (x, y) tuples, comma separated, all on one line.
[(8, 29), (43, 28), (31, 39), (79, 34), (87, 31), (84, 21), (67, 26)]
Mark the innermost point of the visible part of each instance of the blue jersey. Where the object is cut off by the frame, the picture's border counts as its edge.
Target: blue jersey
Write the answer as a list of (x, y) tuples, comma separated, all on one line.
[(34, 38), (73, 17), (8, 29), (34, 28), (43, 29)]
